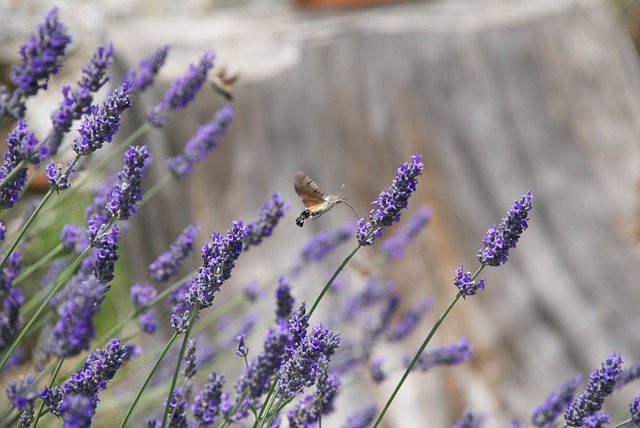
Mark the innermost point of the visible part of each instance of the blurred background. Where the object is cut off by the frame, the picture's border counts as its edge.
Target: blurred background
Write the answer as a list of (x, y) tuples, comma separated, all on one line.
[(499, 96)]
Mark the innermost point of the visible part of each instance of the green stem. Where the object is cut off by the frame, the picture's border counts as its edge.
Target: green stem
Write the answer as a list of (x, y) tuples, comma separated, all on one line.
[(192, 317), (420, 351), (13, 173), (623, 423), (37, 265), (333, 278), (148, 378), (43, 304)]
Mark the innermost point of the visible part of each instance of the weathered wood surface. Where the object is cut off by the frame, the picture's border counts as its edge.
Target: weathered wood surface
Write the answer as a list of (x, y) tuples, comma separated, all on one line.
[(500, 97)]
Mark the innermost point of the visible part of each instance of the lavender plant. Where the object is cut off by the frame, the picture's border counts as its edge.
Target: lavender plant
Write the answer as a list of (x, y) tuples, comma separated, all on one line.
[(294, 374)]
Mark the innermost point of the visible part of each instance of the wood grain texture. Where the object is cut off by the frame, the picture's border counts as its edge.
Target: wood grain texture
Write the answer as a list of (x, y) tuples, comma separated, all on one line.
[(500, 97)]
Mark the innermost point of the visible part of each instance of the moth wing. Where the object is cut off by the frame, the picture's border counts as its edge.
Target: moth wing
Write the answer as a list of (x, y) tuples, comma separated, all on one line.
[(222, 73), (307, 189)]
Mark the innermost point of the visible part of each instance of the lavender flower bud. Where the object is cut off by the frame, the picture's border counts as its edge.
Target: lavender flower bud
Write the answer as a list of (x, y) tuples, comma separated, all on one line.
[(3, 231), (106, 254), (102, 123), (465, 284), (252, 291), (127, 192), (189, 366), (141, 296), (375, 370), (143, 76), (363, 418), (598, 420), (168, 263), (242, 350), (77, 411), (272, 211), (17, 392), (182, 91), (73, 237), (323, 243), (178, 409), (500, 239), (634, 408), (390, 203), (41, 55), (545, 415), (207, 138), (600, 385), (56, 178), (206, 404), (394, 246), (409, 320), (451, 355), (10, 192), (284, 299)]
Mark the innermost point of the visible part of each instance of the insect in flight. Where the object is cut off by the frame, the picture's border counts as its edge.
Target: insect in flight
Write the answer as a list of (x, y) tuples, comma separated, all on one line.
[(314, 199), (224, 84)]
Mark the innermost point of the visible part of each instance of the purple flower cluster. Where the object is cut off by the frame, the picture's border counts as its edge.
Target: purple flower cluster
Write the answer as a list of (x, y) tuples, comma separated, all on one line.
[(41, 55), (3, 231), (77, 411), (597, 420), (17, 392), (12, 301), (390, 203), (272, 211), (242, 350), (500, 239), (450, 355), (409, 320), (74, 238), (206, 139), (363, 418), (323, 243), (284, 299), (75, 306), (393, 247), (102, 122), (206, 404), (127, 192), (57, 179), (182, 91), (627, 375), (375, 370), (600, 385), (17, 141), (545, 415), (178, 408), (77, 101), (465, 283), (104, 257), (373, 292), (168, 263), (218, 260), (634, 408), (469, 420), (99, 368), (141, 296), (142, 77)]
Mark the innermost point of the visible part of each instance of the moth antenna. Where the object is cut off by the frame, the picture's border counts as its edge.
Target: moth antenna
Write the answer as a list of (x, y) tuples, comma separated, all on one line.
[(354, 211)]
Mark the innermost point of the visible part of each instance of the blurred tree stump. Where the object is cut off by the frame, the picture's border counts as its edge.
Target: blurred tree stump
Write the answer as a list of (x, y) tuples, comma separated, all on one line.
[(500, 97)]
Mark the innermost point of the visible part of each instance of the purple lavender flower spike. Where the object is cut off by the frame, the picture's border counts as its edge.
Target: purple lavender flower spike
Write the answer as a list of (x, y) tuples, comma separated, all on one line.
[(59, 180), (634, 408), (77, 411), (12, 301), (76, 306), (451, 355), (284, 299), (182, 91), (102, 123), (3, 232), (17, 392), (178, 409), (142, 77), (141, 296), (10, 193), (252, 290), (189, 365), (598, 420), (390, 203), (242, 350), (469, 420), (106, 254), (323, 243), (99, 368), (168, 263), (206, 404), (27, 144), (600, 385), (465, 284), (500, 239), (628, 374), (545, 415), (363, 418), (393, 247), (41, 55), (207, 138), (127, 192), (409, 320), (272, 211)]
